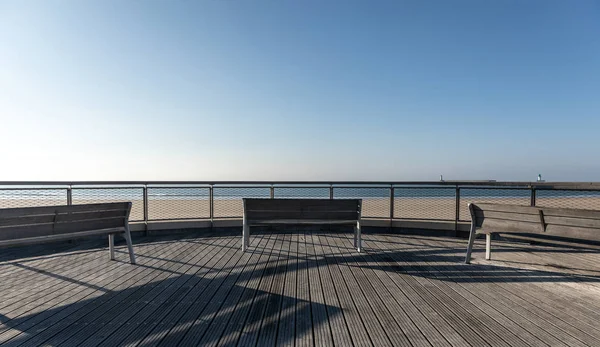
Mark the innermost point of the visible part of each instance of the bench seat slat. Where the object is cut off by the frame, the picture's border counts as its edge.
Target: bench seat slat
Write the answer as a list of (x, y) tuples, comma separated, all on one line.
[(50, 210), (508, 226), (573, 213), (508, 208), (294, 204), (484, 215), (52, 238), (574, 222), (300, 215), (572, 232), (26, 220), (83, 216)]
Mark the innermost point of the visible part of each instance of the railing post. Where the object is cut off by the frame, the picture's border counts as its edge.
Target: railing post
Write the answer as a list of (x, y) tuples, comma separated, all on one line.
[(70, 196), (211, 204), (391, 203), (457, 213), (272, 192), (331, 192), (145, 193), (533, 195)]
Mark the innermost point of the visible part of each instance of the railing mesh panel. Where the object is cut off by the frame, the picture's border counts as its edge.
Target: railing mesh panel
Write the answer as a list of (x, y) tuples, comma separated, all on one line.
[(103, 195), (228, 200), (178, 203), (301, 192), (12, 198), (580, 199), (491, 196), (425, 203), (376, 201)]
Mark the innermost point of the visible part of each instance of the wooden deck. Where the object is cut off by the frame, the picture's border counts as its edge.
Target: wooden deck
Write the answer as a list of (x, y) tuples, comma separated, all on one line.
[(302, 289)]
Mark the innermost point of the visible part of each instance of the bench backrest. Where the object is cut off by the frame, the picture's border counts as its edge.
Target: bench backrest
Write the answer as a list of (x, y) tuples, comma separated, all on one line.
[(30, 222), (302, 209), (560, 222)]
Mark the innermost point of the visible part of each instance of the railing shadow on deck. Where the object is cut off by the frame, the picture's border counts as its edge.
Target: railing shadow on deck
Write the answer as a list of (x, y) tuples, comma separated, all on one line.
[(261, 312)]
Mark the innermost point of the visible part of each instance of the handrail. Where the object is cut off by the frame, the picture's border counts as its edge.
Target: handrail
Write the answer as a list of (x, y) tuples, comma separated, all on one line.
[(491, 183)]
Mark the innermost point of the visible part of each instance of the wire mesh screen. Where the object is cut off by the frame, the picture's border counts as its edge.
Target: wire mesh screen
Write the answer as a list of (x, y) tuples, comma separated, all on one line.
[(580, 199), (102, 195), (12, 198), (178, 203), (425, 203), (376, 201), (228, 200), (507, 196), (301, 192)]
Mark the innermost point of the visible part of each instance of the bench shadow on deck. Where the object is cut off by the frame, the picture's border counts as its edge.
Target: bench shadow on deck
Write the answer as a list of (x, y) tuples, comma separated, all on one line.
[(299, 288)]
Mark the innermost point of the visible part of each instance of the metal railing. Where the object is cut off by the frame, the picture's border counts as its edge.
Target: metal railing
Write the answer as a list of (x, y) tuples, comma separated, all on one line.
[(203, 200)]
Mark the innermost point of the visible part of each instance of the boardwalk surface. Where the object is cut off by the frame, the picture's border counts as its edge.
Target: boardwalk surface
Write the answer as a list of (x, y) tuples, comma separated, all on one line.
[(299, 289)]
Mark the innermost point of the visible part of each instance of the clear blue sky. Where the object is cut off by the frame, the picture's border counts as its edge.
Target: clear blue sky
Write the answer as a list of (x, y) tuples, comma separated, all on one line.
[(361, 90)]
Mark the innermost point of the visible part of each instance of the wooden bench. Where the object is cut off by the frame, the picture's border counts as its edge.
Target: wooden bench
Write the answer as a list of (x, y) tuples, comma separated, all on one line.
[(554, 222), (30, 225), (301, 211)]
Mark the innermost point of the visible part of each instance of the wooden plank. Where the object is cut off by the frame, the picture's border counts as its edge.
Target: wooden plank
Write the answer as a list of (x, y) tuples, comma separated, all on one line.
[(48, 325), (98, 312), (236, 324), (320, 321), (392, 332), (179, 289), (468, 329), (287, 316), (473, 291), (339, 328), (304, 328), (409, 317), (270, 320), (353, 316), (105, 322), (252, 326)]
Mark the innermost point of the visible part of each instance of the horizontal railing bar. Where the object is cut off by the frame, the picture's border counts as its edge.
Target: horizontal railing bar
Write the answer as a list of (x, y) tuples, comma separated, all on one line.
[(180, 187), (33, 188), (572, 185)]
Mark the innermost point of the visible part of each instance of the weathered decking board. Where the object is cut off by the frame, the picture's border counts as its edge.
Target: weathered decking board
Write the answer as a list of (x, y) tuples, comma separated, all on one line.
[(299, 289)]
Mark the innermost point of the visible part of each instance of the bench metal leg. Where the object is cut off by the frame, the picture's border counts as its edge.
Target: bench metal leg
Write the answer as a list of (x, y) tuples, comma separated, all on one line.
[(358, 238), (488, 246), (472, 237), (129, 244), (245, 237), (111, 246)]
